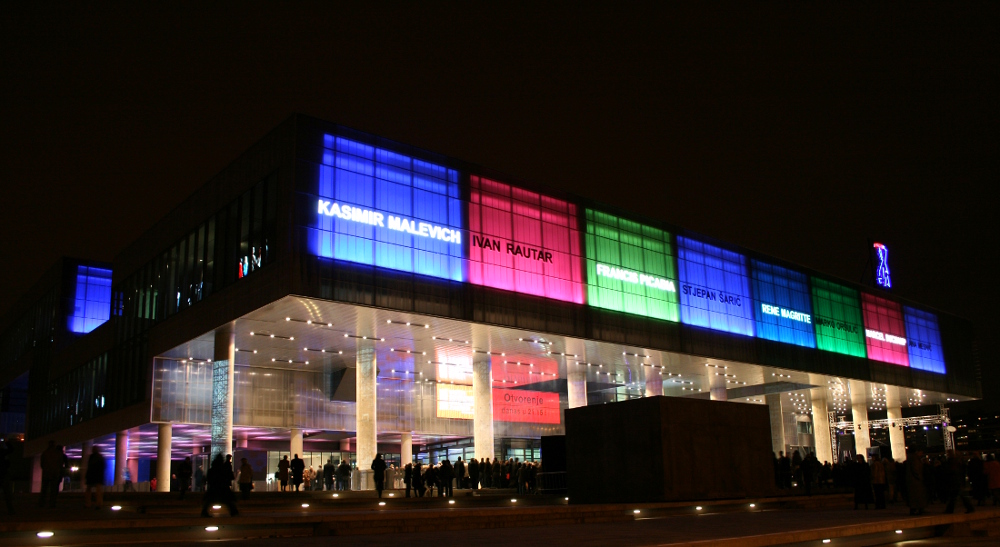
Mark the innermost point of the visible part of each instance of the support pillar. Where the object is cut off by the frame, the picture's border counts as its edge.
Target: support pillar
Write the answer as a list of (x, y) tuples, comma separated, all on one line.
[(86, 449), (295, 443), (482, 397), (777, 422), (223, 369), (862, 436), (405, 448), (718, 393), (576, 387), (121, 456), (897, 436), (345, 445), (164, 440), (821, 428), (654, 382), (366, 417)]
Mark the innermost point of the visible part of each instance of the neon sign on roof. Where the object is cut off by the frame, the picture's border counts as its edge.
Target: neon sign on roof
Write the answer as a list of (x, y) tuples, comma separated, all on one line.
[(882, 276)]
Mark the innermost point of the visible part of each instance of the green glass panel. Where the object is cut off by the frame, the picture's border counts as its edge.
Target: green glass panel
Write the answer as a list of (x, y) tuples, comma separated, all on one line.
[(630, 267), (837, 318)]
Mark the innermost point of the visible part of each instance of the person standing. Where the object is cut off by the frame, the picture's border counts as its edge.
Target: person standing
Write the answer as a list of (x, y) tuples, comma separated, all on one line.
[(473, 469), (408, 477), (343, 476), (283, 466), (378, 469), (329, 471), (916, 492), (992, 470), (298, 467), (862, 476), (220, 480), (199, 479), (447, 476), (94, 478), (5, 483), (184, 476), (879, 481), (52, 462), (955, 484), (246, 478), (977, 479), (418, 481), (460, 474)]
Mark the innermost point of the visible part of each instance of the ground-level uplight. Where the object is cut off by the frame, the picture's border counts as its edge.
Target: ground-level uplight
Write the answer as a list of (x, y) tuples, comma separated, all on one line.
[(216, 507), (567, 499), (211, 528), (899, 531), (636, 511), (304, 505), (116, 507), (336, 495), (392, 495), (826, 541), (381, 504), (698, 508), (451, 502), (45, 534), (752, 505)]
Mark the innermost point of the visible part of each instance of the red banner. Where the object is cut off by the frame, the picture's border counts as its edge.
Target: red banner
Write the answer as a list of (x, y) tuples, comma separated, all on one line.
[(515, 405)]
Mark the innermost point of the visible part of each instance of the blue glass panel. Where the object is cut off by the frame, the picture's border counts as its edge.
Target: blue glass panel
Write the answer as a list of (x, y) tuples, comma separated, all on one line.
[(782, 305), (924, 340), (379, 207), (91, 299), (715, 288)]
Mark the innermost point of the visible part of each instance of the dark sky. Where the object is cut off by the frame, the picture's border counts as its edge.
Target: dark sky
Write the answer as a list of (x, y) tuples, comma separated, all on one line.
[(796, 130)]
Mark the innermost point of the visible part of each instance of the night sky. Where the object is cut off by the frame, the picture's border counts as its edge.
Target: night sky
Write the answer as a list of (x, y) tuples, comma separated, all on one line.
[(794, 130)]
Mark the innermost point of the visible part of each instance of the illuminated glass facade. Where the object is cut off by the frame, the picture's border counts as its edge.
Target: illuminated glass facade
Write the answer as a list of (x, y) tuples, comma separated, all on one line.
[(715, 287), (782, 305), (523, 241), (885, 330), (924, 340), (92, 300), (388, 210), (630, 267), (837, 318)]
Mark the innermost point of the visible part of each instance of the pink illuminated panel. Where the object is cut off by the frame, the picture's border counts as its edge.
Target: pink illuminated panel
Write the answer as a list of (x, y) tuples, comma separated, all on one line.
[(520, 370), (524, 242), (885, 331), (515, 405)]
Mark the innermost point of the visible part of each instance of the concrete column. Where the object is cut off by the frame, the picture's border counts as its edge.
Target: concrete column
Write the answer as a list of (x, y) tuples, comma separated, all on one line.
[(576, 387), (862, 436), (121, 456), (777, 422), (654, 382), (86, 449), (897, 437), (405, 448), (821, 428), (223, 372), (295, 444), (482, 398), (164, 439), (718, 393), (366, 410), (345, 445)]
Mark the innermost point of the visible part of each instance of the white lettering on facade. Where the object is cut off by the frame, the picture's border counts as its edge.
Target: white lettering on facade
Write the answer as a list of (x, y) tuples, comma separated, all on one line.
[(629, 276), (398, 224), (891, 338), (778, 311)]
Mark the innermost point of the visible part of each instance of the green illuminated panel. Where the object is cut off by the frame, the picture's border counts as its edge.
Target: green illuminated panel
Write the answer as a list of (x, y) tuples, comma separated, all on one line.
[(630, 267), (837, 317)]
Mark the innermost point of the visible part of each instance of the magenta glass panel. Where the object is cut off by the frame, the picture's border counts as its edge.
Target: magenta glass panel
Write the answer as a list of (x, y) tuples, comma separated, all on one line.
[(885, 331), (523, 241)]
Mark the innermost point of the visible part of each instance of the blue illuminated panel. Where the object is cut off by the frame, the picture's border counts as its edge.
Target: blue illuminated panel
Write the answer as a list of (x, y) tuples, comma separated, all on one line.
[(782, 305), (91, 299), (389, 210), (923, 340), (715, 287)]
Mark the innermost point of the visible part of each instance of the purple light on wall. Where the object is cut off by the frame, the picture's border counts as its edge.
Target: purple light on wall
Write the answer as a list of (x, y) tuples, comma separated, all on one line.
[(91, 299)]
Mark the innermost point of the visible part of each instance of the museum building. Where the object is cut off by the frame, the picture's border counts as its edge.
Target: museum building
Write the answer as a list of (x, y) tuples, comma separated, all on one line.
[(335, 294)]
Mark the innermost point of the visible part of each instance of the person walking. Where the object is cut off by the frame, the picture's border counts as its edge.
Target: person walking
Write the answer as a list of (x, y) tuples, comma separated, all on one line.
[(329, 472), (378, 469), (184, 476), (283, 466), (246, 478), (298, 467), (94, 479), (52, 462), (878, 481), (219, 480)]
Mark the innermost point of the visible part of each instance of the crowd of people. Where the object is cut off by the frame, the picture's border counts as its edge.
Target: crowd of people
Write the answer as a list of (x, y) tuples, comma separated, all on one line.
[(919, 481), (473, 474)]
